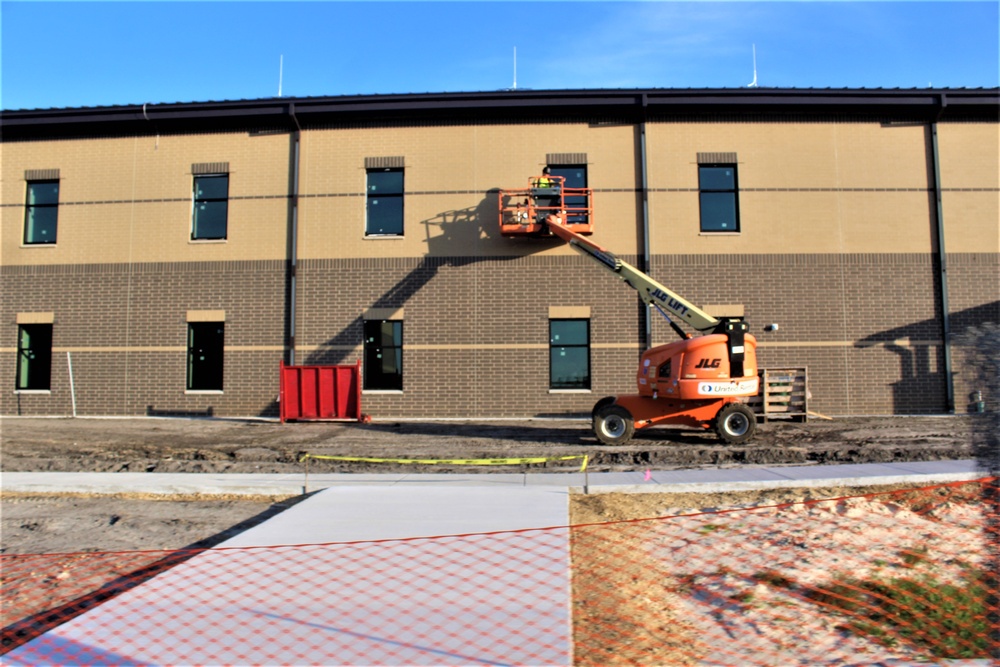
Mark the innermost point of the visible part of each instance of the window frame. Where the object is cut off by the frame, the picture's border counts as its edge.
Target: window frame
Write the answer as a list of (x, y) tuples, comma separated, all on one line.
[(30, 209), (41, 366), (396, 197), (374, 377), (198, 379), (587, 382), (704, 190), (195, 201)]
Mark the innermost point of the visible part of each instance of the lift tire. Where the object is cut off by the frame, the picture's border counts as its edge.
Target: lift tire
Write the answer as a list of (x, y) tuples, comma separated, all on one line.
[(613, 424), (735, 423), (607, 400)]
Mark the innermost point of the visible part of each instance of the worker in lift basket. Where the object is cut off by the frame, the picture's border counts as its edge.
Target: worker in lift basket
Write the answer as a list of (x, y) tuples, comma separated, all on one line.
[(544, 181), (546, 202)]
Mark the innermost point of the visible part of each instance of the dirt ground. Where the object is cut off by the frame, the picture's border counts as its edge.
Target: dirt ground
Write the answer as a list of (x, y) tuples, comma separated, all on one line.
[(66, 525), (63, 524), (237, 446)]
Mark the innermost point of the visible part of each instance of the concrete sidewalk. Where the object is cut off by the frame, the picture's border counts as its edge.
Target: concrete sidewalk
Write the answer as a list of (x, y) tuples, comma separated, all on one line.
[(659, 481), (400, 592)]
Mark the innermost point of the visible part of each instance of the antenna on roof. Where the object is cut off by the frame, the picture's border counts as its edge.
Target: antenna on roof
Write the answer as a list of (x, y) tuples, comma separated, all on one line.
[(515, 69), (281, 71), (753, 84)]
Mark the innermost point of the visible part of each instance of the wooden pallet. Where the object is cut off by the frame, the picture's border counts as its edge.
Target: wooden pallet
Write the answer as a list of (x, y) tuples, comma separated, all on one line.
[(784, 394)]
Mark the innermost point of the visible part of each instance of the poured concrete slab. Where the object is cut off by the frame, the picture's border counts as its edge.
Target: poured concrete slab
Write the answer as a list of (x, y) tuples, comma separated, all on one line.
[(406, 575)]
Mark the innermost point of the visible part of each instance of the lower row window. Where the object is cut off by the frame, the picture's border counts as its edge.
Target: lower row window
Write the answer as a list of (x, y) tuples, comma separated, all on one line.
[(204, 369), (206, 345), (34, 357), (383, 365), (569, 354)]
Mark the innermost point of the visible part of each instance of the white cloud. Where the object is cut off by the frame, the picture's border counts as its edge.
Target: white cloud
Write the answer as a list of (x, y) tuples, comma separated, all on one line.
[(652, 44)]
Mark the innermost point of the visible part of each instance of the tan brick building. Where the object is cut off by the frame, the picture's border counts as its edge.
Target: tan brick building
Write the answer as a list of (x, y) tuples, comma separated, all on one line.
[(164, 259)]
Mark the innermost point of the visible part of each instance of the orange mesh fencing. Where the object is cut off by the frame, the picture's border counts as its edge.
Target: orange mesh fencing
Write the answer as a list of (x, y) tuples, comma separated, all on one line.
[(905, 576)]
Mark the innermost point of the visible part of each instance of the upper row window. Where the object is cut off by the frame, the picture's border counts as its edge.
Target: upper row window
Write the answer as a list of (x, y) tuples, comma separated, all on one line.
[(211, 207), (209, 220), (41, 214), (575, 177), (717, 190), (384, 206), (718, 198)]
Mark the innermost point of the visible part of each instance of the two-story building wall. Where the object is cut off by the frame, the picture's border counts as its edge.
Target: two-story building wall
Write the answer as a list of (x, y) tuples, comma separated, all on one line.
[(163, 259)]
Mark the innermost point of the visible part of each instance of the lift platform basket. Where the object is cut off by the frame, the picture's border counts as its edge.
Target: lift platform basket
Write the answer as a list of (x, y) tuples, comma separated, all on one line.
[(523, 211)]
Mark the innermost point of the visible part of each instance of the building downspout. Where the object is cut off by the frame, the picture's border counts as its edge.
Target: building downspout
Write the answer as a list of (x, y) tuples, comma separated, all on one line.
[(943, 262), (293, 233), (647, 258)]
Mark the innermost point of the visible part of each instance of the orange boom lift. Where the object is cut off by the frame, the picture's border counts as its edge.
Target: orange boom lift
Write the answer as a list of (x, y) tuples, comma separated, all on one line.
[(697, 381)]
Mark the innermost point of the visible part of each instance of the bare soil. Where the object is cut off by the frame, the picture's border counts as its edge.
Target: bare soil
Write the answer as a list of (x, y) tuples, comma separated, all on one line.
[(719, 586), (216, 445), (63, 524)]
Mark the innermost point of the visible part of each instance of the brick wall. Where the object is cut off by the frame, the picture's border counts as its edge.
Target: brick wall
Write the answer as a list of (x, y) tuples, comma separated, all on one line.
[(838, 245), (476, 329), (126, 331)]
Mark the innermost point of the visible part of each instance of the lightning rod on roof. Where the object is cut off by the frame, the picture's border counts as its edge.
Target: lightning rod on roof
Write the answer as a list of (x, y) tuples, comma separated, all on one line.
[(753, 84), (514, 87), (281, 71)]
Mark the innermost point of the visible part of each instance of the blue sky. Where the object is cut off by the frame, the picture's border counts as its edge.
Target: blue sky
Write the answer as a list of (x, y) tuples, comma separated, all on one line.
[(77, 54)]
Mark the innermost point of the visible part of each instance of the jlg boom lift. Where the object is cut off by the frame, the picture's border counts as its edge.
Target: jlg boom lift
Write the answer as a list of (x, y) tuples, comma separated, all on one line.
[(696, 381)]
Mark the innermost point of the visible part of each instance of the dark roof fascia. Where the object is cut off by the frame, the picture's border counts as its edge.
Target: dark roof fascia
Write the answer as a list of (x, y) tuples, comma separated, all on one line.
[(910, 104)]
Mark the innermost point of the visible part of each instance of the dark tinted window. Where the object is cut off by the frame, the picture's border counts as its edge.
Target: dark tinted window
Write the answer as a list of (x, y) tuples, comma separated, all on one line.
[(383, 364), (205, 355), (718, 198), (384, 207), (34, 356), (211, 207), (41, 212), (576, 177), (569, 354)]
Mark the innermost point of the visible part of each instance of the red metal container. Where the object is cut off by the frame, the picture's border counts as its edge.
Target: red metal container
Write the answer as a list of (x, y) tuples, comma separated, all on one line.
[(321, 393)]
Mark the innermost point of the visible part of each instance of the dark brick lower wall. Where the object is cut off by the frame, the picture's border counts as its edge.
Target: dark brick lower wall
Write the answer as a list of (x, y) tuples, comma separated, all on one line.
[(126, 330), (867, 327)]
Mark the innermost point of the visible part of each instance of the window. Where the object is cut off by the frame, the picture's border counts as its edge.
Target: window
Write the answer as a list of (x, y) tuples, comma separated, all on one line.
[(205, 355), (576, 177), (211, 207), (385, 202), (383, 355), (34, 357), (41, 212), (717, 189), (569, 354)]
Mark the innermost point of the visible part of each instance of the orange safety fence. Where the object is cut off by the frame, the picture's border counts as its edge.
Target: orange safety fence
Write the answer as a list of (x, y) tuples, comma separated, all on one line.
[(901, 577)]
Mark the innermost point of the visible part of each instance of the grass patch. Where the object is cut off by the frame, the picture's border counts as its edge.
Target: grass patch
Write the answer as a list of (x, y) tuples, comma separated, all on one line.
[(947, 619), (774, 579), (710, 528), (913, 557)]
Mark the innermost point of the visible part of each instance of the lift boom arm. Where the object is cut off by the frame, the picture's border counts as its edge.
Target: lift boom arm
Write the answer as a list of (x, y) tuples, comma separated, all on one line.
[(650, 291)]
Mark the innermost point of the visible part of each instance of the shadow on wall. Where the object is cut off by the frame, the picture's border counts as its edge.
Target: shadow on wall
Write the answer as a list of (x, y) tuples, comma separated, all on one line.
[(921, 386), (468, 228)]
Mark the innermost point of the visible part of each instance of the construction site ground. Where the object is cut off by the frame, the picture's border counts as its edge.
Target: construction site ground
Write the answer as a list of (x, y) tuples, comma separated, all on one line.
[(70, 523)]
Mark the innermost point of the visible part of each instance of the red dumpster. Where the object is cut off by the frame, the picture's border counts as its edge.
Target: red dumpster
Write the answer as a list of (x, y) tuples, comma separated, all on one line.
[(321, 393)]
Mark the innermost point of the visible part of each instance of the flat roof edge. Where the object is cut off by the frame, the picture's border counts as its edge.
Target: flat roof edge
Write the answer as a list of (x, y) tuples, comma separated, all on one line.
[(928, 104)]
